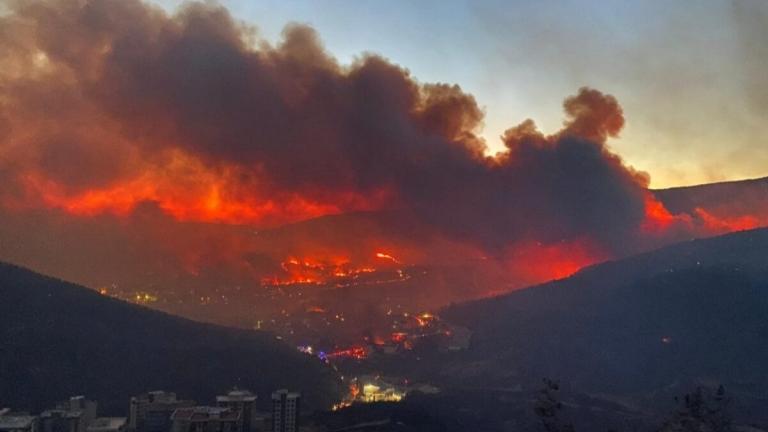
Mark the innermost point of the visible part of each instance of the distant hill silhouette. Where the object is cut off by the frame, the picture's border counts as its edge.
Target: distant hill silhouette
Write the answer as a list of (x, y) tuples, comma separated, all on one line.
[(645, 327), (58, 339), (724, 198)]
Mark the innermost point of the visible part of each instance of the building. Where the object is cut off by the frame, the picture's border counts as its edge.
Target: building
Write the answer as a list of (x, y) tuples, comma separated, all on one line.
[(88, 408), (17, 422), (58, 420), (151, 412), (285, 411), (205, 419), (108, 424), (72, 415), (244, 402)]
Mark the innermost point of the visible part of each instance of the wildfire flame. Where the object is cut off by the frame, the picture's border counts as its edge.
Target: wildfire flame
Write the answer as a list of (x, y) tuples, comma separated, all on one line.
[(316, 270), (389, 257), (93, 127)]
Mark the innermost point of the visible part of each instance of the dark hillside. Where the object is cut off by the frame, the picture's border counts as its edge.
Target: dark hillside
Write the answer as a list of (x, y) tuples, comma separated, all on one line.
[(638, 329), (58, 339)]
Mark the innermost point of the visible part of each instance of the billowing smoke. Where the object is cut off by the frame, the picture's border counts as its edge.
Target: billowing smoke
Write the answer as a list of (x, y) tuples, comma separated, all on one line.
[(116, 97), (108, 105)]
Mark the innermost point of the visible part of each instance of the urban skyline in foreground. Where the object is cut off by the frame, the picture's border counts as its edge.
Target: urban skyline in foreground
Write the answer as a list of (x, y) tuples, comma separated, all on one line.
[(161, 411)]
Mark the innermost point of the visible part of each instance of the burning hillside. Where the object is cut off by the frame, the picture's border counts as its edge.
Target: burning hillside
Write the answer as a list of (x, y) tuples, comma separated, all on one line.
[(166, 149)]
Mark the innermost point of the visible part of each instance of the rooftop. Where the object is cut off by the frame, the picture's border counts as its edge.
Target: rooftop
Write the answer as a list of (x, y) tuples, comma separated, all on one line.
[(16, 422), (290, 395), (76, 403), (107, 424), (205, 413), (237, 396), (156, 396), (61, 413)]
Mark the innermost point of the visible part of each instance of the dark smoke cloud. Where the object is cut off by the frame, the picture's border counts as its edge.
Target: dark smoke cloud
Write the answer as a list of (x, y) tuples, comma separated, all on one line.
[(94, 91)]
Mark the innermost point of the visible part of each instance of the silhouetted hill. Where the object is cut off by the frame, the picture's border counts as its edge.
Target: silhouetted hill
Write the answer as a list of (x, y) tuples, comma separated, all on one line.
[(725, 198), (642, 328), (58, 339)]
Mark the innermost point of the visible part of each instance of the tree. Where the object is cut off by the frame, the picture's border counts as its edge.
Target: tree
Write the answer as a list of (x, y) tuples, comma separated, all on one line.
[(703, 410), (548, 408)]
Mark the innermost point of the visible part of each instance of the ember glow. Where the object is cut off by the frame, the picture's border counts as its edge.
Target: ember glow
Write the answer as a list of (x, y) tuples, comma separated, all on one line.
[(387, 257), (315, 270)]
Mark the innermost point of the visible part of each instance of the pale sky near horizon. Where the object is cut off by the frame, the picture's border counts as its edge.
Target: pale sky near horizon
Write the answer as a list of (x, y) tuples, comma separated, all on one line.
[(692, 77)]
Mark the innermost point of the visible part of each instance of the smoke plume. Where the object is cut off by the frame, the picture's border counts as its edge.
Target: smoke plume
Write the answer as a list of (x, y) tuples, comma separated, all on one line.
[(110, 106)]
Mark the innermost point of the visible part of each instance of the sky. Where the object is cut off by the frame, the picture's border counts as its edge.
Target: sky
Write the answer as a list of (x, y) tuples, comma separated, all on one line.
[(691, 76)]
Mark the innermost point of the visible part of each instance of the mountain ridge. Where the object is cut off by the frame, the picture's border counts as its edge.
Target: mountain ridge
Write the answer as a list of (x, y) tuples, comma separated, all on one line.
[(689, 313), (60, 339)]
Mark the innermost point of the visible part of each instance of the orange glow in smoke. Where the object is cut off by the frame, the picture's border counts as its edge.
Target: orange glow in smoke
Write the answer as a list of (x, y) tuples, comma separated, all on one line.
[(657, 218), (189, 190), (186, 189), (727, 224), (535, 262)]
